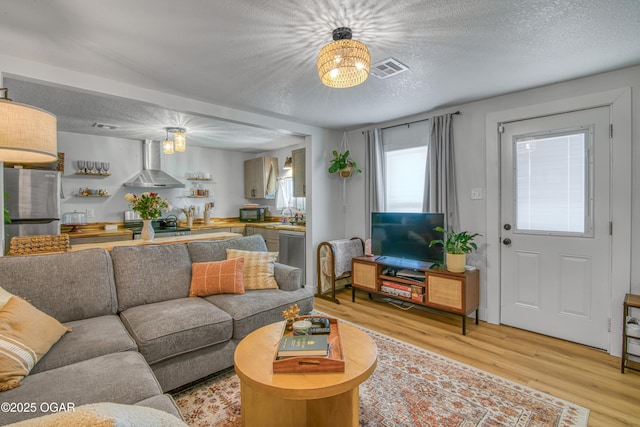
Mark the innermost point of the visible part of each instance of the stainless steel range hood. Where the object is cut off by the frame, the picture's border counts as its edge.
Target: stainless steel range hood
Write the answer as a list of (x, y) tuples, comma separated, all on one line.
[(151, 175)]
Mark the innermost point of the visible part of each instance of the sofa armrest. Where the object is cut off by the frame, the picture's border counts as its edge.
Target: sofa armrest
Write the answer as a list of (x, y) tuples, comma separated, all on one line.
[(289, 278)]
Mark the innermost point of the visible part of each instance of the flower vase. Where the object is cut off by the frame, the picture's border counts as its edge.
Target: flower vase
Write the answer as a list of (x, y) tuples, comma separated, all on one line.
[(147, 232)]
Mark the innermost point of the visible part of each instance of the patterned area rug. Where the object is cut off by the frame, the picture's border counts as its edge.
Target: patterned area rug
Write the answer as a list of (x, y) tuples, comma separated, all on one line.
[(410, 387)]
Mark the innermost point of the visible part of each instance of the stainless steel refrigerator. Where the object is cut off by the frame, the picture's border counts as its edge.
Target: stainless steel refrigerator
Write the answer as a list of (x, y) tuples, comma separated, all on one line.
[(33, 200)]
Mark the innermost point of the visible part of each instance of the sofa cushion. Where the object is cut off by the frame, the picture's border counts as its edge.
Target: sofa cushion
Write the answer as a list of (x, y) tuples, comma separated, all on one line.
[(217, 277), (153, 273), (123, 377), (90, 338), (68, 286), (105, 414), (26, 334), (169, 328), (256, 308), (205, 251), (258, 268)]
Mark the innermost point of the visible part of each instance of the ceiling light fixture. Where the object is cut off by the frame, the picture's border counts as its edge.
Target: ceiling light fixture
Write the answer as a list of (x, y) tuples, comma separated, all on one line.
[(167, 145), (344, 62), (27, 134), (179, 142)]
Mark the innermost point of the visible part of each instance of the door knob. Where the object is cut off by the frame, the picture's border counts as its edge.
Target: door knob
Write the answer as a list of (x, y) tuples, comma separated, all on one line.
[(507, 241), (507, 226)]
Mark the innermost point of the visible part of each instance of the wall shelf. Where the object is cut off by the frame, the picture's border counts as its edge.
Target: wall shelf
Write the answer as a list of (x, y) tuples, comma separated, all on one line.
[(89, 175)]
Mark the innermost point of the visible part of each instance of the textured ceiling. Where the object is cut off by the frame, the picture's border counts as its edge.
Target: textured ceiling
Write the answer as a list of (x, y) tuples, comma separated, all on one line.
[(259, 56)]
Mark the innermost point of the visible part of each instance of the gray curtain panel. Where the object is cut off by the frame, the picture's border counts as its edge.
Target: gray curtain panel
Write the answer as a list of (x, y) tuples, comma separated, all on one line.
[(374, 176), (440, 177)]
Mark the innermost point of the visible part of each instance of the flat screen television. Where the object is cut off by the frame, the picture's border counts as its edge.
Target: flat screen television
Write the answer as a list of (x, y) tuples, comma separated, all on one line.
[(403, 238)]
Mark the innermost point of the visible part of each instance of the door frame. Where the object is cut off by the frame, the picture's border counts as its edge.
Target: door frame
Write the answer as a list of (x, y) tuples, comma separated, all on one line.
[(619, 101)]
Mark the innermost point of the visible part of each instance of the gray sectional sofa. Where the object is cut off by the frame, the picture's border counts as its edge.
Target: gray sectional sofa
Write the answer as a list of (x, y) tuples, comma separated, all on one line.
[(136, 332)]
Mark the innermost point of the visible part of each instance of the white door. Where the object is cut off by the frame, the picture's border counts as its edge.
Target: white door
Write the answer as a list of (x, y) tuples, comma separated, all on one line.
[(556, 243)]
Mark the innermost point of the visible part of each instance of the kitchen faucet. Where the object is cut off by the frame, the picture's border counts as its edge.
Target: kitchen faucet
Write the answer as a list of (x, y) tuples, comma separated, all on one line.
[(290, 212)]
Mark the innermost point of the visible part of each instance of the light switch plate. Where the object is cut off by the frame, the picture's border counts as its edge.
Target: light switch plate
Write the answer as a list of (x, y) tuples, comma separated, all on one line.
[(91, 213), (477, 194)]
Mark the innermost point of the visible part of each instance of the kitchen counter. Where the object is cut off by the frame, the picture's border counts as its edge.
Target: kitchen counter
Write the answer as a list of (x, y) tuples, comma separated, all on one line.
[(97, 229), (225, 224), (157, 241)]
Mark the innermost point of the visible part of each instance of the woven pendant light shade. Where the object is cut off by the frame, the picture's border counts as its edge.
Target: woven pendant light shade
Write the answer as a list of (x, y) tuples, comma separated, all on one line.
[(27, 134), (344, 62)]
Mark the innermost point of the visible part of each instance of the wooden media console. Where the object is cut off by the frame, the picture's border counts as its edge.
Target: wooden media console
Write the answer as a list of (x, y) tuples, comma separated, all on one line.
[(416, 282)]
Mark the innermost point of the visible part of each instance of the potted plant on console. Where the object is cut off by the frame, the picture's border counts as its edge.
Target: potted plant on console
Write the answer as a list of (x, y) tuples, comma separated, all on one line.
[(456, 246)]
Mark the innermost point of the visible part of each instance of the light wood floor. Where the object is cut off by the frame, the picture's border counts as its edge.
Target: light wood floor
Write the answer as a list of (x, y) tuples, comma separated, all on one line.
[(573, 372)]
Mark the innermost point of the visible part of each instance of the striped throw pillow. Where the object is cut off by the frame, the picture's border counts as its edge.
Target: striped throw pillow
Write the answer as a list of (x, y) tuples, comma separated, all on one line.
[(26, 335), (258, 269)]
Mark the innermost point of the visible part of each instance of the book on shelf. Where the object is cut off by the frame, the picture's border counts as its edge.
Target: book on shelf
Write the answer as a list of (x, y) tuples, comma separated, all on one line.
[(303, 345)]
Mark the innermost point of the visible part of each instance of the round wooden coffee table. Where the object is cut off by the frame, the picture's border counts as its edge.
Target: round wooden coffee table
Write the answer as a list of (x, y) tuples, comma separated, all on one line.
[(301, 399)]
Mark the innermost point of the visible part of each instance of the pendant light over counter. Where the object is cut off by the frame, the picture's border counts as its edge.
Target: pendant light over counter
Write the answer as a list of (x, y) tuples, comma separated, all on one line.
[(179, 142), (344, 62), (27, 134)]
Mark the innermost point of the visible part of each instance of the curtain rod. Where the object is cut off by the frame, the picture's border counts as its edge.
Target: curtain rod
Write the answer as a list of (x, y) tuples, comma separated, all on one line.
[(417, 121)]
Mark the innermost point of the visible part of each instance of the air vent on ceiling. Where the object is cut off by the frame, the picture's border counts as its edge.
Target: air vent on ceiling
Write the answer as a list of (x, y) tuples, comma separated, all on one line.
[(104, 126), (388, 68)]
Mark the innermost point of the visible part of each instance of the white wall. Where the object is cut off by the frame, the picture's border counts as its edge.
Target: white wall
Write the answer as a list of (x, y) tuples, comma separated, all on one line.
[(125, 158), (472, 164)]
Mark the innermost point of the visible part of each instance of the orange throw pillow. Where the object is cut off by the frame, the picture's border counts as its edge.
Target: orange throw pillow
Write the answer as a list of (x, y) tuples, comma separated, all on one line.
[(217, 277)]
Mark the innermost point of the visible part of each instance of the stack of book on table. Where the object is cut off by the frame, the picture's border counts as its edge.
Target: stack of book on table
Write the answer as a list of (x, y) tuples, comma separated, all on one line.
[(303, 345)]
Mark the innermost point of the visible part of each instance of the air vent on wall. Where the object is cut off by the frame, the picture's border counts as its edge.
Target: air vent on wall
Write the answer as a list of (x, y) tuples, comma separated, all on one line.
[(388, 68), (104, 126)]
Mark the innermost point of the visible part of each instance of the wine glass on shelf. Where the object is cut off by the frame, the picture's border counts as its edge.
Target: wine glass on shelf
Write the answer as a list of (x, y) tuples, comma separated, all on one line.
[(81, 166), (97, 166), (90, 166), (105, 168)]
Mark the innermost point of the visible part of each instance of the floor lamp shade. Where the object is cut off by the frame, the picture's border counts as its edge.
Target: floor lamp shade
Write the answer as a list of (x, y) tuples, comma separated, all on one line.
[(27, 134)]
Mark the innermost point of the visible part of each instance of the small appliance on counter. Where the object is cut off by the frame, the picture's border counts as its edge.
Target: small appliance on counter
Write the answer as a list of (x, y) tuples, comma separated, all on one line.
[(163, 227), (75, 219), (252, 214)]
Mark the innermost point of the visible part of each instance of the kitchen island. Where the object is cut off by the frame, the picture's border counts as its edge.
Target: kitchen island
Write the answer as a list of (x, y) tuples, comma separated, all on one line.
[(157, 241)]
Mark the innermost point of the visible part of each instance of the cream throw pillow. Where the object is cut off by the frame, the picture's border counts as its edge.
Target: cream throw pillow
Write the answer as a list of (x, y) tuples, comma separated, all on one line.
[(26, 334), (258, 268), (4, 297)]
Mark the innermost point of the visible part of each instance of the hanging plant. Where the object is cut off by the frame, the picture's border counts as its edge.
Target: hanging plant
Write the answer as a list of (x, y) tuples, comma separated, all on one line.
[(342, 162)]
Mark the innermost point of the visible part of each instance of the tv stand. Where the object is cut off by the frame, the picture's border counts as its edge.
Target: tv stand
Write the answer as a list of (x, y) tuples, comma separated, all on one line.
[(417, 282)]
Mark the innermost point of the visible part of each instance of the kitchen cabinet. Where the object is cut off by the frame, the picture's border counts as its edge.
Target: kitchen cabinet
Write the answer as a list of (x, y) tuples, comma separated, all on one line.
[(99, 239), (299, 170), (271, 237), (260, 178), (239, 230)]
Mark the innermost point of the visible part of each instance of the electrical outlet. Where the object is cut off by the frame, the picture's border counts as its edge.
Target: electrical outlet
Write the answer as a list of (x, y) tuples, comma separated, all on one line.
[(477, 194), (91, 213)]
